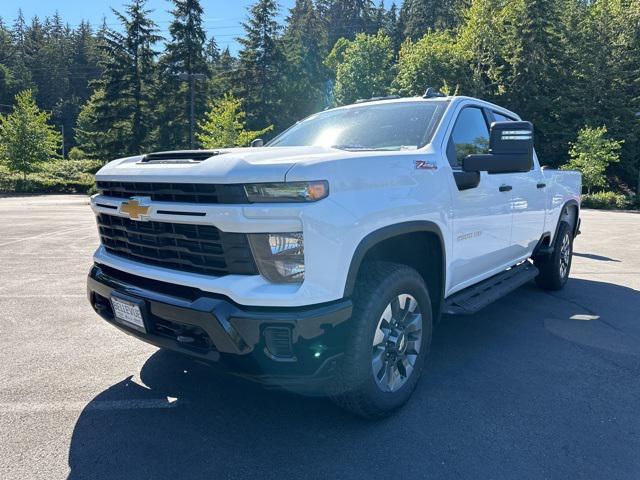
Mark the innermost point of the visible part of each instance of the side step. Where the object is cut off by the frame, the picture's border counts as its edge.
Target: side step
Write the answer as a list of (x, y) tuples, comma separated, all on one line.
[(478, 296)]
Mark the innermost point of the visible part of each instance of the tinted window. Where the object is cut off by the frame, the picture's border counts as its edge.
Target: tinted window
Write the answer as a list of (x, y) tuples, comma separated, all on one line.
[(470, 136), (386, 126), (501, 118)]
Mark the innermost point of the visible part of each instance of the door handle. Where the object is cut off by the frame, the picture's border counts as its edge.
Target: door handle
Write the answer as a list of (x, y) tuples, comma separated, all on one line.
[(505, 188), (541, 185)]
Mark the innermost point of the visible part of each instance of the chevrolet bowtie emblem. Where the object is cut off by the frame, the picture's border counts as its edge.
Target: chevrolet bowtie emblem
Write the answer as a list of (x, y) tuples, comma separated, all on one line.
[(135, 207)]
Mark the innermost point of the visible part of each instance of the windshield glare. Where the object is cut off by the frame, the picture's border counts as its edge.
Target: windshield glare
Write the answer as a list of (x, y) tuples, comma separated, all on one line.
[(387, 126)]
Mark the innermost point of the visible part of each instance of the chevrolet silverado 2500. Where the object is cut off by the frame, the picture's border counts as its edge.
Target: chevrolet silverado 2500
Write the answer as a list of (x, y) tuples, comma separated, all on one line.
[(321, 261)]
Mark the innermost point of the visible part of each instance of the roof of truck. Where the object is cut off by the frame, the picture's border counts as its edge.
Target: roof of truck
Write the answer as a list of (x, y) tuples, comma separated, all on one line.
[(450, 99)]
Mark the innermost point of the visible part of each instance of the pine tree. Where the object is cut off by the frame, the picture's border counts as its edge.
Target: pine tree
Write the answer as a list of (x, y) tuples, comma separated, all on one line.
[(19, 56), (84, 61), (223, 73), (393, 28), (533, 70), (125, 109), (346, 18), (305, 49), (261, 65), (212, 53), (95, 135), (9, 84), (420, 16), (184, 54), (141, 37)]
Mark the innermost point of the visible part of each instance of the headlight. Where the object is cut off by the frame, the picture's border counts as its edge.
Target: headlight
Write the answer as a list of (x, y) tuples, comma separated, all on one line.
[(279, 256), (287, 191)]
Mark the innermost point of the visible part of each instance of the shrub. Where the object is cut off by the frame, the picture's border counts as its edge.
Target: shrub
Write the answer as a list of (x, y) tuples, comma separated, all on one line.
[(55, 176), (606, 200), (77, 154)]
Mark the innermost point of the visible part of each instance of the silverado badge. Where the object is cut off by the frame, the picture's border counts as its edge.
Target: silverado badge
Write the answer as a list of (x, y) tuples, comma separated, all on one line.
[(136, 207)]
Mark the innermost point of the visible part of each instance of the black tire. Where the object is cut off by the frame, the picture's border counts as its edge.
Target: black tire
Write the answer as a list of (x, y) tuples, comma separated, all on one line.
[(555, 268), (355, 388)]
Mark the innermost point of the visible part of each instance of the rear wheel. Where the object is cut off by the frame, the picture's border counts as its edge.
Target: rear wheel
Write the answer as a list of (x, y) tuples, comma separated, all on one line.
[(555, 268), (390, 338)]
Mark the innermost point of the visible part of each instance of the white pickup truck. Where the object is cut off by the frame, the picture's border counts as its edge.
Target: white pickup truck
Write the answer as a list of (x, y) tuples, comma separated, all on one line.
[(321, 261)]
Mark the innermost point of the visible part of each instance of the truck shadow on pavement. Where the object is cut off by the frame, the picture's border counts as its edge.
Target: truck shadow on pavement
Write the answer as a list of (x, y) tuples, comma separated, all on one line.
[(526, 388)]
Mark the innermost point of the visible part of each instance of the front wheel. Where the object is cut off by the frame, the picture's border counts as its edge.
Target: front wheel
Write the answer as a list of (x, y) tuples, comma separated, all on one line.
[(554, 269), (390, 339)]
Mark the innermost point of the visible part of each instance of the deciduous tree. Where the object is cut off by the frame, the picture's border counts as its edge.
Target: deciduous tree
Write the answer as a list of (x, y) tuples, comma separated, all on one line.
[(363, 67), (591, 154), (26, 138), (224, 125)]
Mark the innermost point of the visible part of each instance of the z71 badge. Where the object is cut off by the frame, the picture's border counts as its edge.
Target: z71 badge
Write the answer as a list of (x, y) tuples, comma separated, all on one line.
[(425, 165)]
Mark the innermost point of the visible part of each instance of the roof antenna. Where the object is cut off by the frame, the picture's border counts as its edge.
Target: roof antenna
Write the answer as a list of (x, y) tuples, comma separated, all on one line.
[(432, 93)]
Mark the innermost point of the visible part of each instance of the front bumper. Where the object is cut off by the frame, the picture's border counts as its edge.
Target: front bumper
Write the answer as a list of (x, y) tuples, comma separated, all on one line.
[(291, 347)]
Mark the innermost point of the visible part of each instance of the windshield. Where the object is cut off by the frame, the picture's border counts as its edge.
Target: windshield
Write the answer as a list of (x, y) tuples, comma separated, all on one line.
[(386, 126)]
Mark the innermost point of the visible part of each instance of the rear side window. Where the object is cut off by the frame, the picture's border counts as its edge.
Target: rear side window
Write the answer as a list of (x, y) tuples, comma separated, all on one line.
[(470, 136), (501, 118)]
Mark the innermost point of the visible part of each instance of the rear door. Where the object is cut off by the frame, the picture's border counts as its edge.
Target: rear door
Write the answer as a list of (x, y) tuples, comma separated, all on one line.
[(482, 215), (528, 204)]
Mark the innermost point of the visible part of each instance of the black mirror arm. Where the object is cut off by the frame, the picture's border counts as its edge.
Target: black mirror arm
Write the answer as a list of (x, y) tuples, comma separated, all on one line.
[(476, 162)]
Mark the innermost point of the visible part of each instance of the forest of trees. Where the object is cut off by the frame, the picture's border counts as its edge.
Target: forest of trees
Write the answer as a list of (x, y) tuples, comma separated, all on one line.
[(572, 67)]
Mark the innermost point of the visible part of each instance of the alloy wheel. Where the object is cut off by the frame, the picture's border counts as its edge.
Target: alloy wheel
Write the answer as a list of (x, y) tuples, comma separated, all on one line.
[(397, 342), (565, 256)]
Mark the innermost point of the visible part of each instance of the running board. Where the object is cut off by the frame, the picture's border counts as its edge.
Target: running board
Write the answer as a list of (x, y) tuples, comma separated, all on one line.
[(478, 296)]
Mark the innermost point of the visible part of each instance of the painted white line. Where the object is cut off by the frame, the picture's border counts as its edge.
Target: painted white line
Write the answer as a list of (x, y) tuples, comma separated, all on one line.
[(48, 257), (73, 406), (52, 295), (46, 235)]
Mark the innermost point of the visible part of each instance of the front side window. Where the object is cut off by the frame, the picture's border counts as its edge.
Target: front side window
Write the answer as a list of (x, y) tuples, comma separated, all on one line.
[(470, 136), (384, 126)]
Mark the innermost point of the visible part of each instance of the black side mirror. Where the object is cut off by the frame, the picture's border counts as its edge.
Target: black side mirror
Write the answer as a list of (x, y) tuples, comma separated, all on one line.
[(258, 142), (510, 150)]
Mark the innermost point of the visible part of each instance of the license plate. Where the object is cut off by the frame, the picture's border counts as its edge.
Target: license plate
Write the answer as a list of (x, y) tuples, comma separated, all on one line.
[(128, 313)]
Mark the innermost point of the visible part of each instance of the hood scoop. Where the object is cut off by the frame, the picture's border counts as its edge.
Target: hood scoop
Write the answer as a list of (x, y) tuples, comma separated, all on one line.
[(180, 156)]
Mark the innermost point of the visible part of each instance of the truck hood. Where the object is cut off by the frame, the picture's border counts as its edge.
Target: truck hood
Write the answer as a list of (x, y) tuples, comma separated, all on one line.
[(237, 165)]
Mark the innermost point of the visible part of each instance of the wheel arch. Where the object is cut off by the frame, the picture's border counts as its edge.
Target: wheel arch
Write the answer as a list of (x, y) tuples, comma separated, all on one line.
[(571, 213), (389, 243)]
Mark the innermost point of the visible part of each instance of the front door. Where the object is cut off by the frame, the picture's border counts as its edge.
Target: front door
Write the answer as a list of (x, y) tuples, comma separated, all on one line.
[(528, 204), (482, 216)]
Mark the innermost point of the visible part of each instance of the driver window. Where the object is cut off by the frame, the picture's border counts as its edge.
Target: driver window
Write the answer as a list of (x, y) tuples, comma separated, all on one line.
[(470, 136)]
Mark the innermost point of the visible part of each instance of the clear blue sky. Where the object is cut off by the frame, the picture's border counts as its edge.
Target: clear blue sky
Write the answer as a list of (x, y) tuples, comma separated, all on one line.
[(221, 17)]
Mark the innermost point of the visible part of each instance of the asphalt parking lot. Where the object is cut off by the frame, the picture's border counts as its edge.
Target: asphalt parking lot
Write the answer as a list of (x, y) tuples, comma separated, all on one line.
[(538, 385)]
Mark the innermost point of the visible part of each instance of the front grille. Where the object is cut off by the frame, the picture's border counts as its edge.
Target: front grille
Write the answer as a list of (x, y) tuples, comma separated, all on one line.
[(176, 192), (192, 248)]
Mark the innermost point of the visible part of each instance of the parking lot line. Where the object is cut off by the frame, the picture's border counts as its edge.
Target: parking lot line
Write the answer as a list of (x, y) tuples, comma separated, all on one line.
[(73, 406), (52, 295), (46, 235)]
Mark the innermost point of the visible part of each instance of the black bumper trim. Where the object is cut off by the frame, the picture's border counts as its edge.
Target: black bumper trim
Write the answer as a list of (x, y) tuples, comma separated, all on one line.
[(230, 332)]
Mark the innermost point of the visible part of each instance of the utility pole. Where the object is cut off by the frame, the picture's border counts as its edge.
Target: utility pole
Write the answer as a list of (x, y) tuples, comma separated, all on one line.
[(191, 78)]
